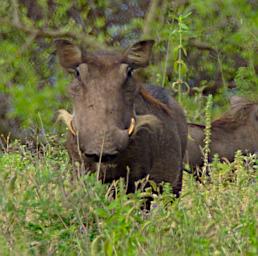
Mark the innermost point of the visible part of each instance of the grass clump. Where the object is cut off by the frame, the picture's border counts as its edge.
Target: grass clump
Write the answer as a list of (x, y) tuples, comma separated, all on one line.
[(43, 213)]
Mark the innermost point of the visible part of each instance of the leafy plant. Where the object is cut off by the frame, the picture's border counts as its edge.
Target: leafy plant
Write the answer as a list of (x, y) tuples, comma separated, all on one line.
[(42, 212), (207, 136), (247, 83)]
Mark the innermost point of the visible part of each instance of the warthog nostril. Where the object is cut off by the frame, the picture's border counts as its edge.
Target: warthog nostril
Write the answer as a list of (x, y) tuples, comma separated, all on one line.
[(104, 157)]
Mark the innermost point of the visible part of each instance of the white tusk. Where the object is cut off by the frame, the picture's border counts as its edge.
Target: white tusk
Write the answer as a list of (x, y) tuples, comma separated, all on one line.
[(131, 127), (67, 118)]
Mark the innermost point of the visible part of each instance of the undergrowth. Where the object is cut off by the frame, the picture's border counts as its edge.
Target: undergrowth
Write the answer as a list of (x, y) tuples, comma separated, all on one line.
[(44, 212)]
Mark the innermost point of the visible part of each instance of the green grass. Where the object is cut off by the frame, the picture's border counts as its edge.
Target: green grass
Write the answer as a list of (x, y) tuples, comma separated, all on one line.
[(43, 213)]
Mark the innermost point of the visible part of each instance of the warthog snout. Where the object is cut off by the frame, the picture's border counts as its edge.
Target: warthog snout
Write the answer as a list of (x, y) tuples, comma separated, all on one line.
[(103, 158), (104, 145)]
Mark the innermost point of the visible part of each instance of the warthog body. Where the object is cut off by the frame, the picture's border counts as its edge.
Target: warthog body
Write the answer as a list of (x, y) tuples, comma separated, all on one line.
[(235, 130), (132, 129)]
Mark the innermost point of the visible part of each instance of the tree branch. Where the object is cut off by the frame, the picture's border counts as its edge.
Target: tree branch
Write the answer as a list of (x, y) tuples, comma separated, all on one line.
[(150, 16), (201, 46), (51, 33)]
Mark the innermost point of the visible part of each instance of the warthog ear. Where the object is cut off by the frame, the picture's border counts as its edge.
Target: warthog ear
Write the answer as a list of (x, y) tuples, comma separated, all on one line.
[(236, 100), (138, 55), (69, 54)]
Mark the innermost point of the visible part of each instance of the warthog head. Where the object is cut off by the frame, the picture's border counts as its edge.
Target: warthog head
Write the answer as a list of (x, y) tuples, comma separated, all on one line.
[(103, 94)]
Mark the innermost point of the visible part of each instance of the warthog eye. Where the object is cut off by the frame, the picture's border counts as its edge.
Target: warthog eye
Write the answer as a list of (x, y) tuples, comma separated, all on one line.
[(129, 71), (77, 73)]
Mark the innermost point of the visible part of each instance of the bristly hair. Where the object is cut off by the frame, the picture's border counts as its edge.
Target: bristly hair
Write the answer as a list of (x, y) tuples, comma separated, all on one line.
[(155, 102), (235, 117)]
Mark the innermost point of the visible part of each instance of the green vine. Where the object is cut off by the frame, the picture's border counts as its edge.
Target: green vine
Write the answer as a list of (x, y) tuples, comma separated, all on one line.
[(179, 65)]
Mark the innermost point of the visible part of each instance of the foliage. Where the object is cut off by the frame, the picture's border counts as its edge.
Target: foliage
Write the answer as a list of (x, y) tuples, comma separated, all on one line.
[(218, 37), (207, 135), (246, 82), (44, 213), (179, 65)]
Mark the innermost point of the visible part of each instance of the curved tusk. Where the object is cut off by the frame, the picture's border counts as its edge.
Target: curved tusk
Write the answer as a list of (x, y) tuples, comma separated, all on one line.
[(72, 130), (67, 118), (132, 126)]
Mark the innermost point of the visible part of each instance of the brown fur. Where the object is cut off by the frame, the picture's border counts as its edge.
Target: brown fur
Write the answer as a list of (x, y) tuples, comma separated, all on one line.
[(237, 129), (155, 102), (235, 117)]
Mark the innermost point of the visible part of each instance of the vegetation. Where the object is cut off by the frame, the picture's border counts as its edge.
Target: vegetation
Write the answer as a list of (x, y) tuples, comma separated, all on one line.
[(202, 48), (44, 213)]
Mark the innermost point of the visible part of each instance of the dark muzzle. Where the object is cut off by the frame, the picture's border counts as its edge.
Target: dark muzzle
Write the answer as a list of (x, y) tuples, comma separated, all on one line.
[(104, 158)]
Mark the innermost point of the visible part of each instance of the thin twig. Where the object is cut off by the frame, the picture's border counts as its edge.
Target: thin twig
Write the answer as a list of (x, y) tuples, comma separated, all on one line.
[(53, 33), (150, 16), (202, 46), (100, 157)]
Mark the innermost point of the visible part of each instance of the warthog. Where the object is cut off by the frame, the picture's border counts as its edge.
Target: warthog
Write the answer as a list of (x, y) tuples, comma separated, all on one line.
[(236, 130), (120, 122)]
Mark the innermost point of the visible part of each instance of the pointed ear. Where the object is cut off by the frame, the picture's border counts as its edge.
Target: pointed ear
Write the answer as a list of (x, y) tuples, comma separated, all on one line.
[(69, 55), (236, 100), (138, 55)]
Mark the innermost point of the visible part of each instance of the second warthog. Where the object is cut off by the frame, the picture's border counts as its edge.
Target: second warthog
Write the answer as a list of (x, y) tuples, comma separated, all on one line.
[(120, 122), (236, 130)]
